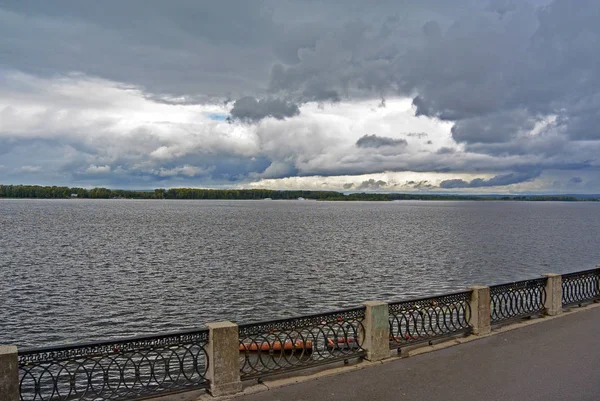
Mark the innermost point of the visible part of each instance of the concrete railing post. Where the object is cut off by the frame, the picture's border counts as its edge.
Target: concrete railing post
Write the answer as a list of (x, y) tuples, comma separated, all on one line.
[(9, 373), (553, 303), (481, 313), (376, 335), (223, 359)]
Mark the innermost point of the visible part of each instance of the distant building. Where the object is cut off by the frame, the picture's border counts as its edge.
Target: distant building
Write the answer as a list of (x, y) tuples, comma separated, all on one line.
[(73, 195)]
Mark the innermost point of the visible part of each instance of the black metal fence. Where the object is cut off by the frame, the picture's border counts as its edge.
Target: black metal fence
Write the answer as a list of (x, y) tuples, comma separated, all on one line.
[(517, 300), (142, 367), (580, 287), (282, 345), (128, 369), (426, 319)]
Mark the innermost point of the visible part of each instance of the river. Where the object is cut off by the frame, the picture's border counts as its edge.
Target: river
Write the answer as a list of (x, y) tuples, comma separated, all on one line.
[(78, 270)]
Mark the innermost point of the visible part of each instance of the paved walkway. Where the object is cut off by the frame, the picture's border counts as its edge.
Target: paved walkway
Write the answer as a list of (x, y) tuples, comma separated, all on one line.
[(558, 359)]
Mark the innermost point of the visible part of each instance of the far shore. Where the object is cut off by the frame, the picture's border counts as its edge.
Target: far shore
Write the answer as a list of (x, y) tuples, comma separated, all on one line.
[(56, 192)]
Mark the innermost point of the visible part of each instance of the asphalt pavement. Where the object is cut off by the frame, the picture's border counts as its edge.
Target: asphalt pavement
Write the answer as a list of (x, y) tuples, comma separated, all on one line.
[(557, 359)]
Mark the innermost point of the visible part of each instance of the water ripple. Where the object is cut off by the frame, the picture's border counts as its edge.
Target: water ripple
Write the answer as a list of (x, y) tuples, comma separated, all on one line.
[(74, 270)]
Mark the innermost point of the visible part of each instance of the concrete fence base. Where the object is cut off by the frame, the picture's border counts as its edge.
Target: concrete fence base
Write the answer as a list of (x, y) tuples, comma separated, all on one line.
[(553, 303), (224, 359), (480, 309), (376, 331), (9, 373)]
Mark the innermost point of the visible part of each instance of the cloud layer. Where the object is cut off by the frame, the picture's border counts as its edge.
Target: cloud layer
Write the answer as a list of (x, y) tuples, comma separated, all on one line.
[(495, 181), (250, 109), (494, 96)]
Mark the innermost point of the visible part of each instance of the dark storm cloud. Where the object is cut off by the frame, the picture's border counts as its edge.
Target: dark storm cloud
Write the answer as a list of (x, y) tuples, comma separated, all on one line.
[(198, 167), (166, 48), (423, 184), (495, 67), (371, 185), (468, 61), (575, 180), (253, 110), (374, 141), (6, 145), (498, 180), (445, 151), (494, 127), (484, 60)]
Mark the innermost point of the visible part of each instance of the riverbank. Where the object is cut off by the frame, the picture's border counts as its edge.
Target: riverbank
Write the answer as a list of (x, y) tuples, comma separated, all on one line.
[(54, 192)]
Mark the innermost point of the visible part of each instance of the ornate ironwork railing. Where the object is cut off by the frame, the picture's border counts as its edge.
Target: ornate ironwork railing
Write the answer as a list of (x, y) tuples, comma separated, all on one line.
[(517, 300), (289, 344), (580, 287), (425, 319), (125, 369)]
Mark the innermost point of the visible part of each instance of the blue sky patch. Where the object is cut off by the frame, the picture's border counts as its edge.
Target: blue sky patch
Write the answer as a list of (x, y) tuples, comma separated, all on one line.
[(218, 116)]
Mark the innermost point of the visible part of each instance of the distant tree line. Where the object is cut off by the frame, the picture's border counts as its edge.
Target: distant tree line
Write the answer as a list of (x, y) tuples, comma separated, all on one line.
[(54, 192), (555, 198)]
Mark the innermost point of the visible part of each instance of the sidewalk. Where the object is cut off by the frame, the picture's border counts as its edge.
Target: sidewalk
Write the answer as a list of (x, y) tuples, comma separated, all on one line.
[(557, 359)]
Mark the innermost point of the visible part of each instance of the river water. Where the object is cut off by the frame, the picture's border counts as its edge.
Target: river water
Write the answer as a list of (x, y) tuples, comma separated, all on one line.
[(78, 270)]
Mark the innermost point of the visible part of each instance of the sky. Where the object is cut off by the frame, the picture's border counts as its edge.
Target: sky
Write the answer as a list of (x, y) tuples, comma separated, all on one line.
[(473, 96)]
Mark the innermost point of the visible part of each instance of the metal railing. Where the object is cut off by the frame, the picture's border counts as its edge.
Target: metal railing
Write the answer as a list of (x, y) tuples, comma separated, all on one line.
[(517, 300), (151, 366), (580, 287), (288, 344), (128, 369), (425, 319)]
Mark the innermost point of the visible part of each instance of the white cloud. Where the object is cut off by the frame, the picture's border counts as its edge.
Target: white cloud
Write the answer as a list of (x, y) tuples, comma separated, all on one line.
[(322, 140), (186, 170), (93, 169), (407, 181), (28, 169)]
